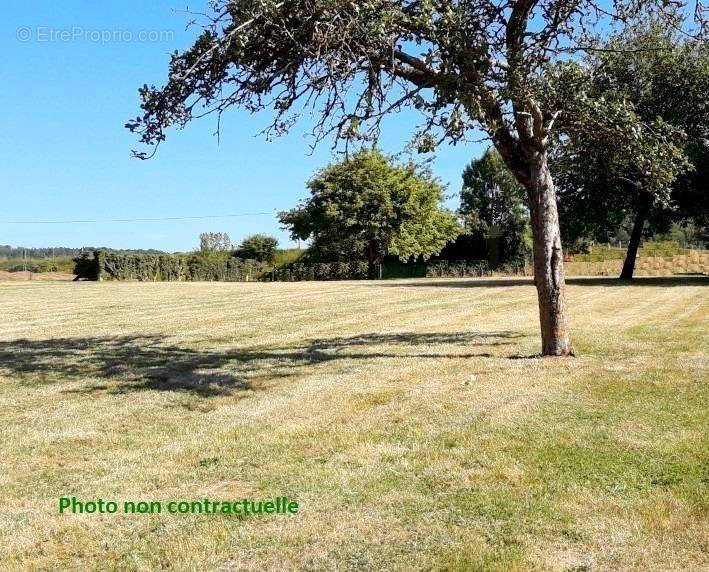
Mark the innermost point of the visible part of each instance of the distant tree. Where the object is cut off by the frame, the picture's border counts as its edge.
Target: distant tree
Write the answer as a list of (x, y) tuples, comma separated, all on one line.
[(367, 206), (258, 247), (492, 203), (214, 242)]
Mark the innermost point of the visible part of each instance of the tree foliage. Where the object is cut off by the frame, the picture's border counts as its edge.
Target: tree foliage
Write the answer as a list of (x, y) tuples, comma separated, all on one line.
[(258, 247), (492, 203), (663, 78), (367, 206), (462, 64)]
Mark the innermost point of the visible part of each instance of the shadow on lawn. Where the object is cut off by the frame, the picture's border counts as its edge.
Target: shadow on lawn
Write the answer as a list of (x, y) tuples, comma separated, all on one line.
[(139, 363), (662, 281)]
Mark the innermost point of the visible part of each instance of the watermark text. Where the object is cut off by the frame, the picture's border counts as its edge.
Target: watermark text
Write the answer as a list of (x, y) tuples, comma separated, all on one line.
[(48, 34)]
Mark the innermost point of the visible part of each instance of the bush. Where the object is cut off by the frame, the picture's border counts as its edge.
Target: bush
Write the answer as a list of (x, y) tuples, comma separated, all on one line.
[(660, 248), (258, 247)]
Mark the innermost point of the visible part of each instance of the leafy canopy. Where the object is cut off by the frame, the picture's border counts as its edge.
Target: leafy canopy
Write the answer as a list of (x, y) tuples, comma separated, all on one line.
[(492, 204), (368, 202), (258, 247), (462, 64), (662, 78)]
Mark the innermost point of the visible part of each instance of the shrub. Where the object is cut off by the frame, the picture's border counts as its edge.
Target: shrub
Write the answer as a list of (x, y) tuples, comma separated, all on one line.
[(397, 269), (258, 247)]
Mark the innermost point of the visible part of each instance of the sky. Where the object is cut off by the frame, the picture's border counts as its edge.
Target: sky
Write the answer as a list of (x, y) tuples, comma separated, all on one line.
[(71, 72)]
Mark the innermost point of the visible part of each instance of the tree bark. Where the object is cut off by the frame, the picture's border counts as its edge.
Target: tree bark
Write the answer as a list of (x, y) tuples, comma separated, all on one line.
[(635, 236), (548, 259)]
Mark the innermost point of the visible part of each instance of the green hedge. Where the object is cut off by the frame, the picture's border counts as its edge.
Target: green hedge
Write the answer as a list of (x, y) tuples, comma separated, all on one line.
[(458, 269), (395, 269), (200, 267), (167, 267), (359, 270), (299, 271)]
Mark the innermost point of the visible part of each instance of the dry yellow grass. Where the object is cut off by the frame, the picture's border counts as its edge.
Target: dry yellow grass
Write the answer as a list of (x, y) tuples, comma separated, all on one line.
[(406, 417)]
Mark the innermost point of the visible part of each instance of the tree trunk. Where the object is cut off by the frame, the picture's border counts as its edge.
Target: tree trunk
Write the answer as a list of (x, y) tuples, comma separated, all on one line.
[(372, 252), (635, 236), (548, 259)]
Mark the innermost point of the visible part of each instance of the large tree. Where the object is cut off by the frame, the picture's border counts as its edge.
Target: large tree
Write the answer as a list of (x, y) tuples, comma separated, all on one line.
[(664, 76), (463, 64), (367, 206)]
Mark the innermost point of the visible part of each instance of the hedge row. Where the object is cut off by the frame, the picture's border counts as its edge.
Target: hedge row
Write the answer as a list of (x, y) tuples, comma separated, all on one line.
[(354, 270), (210, 267), (458, 269), (358, 270), (396, 269), (167, 267)]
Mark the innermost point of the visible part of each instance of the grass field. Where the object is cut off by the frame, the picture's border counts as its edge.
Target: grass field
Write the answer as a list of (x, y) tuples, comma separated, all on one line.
[(410, 420)]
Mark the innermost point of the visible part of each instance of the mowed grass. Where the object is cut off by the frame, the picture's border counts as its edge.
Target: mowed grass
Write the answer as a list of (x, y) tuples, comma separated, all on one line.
[(409, 419)]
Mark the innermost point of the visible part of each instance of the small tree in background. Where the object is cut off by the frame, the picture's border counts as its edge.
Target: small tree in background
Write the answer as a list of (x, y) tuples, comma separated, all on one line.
[(214, 242), (366, 206), (492, 203), (258, 247)]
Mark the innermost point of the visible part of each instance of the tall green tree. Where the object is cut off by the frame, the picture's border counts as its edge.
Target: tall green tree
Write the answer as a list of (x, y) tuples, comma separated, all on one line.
[(368, 206), (492, 203), (664, 76), (478, 64)]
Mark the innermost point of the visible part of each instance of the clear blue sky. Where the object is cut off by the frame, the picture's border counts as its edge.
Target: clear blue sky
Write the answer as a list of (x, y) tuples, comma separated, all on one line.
[(71, 71)]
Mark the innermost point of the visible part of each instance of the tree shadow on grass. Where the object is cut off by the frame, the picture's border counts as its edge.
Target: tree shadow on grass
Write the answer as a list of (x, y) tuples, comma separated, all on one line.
[(143, 363), (661, 281)]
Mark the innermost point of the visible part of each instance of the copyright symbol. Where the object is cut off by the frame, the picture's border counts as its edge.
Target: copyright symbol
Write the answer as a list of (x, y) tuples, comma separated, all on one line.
[(24, 34)]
